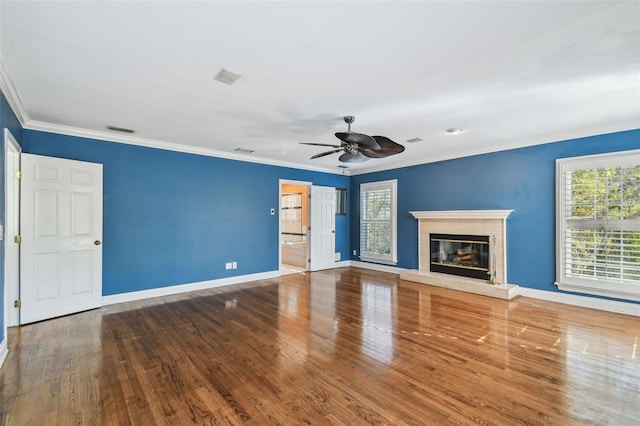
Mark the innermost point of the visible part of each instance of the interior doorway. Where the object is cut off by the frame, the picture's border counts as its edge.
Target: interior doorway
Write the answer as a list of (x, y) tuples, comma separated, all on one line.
[(294, 226)]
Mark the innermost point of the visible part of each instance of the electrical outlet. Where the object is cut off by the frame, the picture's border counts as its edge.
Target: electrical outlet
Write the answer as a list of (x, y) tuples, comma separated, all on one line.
[(354, 252), (337, 256), (234, 265), (228, 265)]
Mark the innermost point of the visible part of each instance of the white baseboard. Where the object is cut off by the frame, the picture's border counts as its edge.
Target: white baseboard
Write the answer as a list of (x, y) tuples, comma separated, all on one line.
[(583, 301), (4, 350), (376, 267), (185, 288), (552, 296)]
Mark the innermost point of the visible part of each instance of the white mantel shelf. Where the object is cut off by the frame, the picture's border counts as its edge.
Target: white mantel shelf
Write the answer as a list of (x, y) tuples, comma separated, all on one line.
[(462, 214)]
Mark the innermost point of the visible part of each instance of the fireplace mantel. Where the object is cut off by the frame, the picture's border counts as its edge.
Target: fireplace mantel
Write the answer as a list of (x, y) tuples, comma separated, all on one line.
[(492, 223), (462, 214)]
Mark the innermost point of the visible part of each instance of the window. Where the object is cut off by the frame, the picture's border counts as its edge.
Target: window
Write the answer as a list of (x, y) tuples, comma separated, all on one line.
[(341, 201), (598, 229), (378, 221)]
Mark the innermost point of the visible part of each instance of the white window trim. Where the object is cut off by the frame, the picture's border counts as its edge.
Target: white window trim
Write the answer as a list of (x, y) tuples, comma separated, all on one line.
[(372, 186), (564, 165)]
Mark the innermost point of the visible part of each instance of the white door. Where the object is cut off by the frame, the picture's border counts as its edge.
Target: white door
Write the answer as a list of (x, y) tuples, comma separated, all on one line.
[(323, 228), (61, 230)]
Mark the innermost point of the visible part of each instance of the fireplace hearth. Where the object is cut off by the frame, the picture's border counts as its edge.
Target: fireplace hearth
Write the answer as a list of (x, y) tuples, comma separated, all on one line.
[(463, 255)]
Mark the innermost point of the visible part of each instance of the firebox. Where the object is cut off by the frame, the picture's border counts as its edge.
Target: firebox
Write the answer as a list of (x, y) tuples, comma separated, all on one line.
[(464, 255)]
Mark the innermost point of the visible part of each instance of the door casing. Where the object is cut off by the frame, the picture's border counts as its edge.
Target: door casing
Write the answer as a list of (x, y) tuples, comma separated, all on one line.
[(12, 228)]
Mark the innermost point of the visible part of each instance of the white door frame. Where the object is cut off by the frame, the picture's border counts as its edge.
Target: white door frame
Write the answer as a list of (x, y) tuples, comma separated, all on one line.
[(11, 228), (290, 182)]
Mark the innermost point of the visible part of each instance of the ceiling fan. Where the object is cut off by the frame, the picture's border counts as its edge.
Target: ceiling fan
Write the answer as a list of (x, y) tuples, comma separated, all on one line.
[(358, 147)]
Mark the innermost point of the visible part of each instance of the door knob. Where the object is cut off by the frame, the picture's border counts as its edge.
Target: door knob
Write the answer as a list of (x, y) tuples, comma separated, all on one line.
[(97, 242)]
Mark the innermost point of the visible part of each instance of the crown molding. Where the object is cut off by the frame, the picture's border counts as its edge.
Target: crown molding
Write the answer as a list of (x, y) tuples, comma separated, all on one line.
[(168, 146), (10, 91), (562, 137), (11, 94)]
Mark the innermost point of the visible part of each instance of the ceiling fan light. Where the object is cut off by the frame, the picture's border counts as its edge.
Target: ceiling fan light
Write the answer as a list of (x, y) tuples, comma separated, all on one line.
[(358, 147)]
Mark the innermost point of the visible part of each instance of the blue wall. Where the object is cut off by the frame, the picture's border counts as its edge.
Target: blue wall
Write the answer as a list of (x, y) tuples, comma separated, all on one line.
[(173, 218), (520, 179), (7, 120)]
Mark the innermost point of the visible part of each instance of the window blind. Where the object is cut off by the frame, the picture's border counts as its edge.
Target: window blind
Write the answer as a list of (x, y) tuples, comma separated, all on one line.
[(602, 224), (377, 221)]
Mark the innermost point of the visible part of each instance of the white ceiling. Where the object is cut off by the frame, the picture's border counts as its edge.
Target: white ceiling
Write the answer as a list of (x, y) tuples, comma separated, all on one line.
[(509, 73)]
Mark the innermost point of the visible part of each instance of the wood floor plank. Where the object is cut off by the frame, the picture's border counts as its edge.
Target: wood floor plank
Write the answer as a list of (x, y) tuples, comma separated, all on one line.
[(347, 346)]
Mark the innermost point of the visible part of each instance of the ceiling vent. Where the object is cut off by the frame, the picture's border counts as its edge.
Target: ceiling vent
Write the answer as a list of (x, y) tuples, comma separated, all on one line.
[(120, 129), (414, 140), (227, 77), (244, 151)]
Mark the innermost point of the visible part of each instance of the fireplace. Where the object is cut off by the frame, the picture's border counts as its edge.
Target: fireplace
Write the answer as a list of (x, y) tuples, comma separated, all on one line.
[(463, 255), (467, 231)]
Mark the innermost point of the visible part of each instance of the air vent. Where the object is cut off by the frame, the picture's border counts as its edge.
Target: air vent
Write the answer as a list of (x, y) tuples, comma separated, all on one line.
[(120, 129), (414, 140), (454, 130), (227, 77), (244, 151)]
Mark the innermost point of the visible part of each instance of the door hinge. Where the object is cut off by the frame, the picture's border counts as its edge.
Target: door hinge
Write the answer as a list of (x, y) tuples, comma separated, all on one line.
[(17, 304), (17, 239), (19, 174)]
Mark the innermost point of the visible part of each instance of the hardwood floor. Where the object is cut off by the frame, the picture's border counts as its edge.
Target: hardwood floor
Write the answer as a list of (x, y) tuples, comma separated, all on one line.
[(345, 346)]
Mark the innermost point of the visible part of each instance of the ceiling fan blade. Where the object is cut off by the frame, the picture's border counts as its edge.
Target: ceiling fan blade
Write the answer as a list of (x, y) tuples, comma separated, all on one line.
[(319, 144), (353, 158), (387, 148), (322, 154), (360, 139)]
